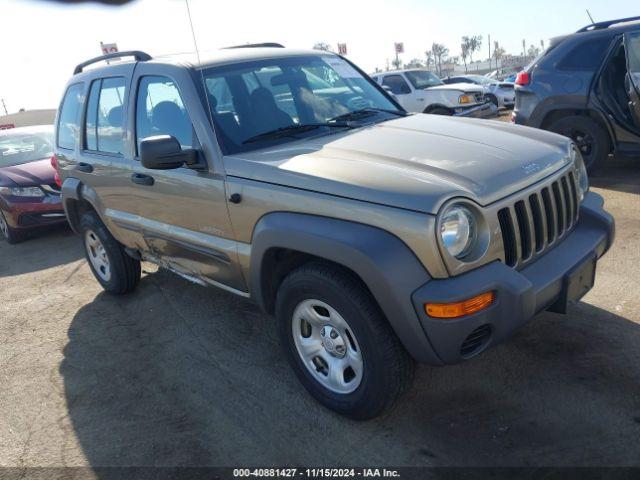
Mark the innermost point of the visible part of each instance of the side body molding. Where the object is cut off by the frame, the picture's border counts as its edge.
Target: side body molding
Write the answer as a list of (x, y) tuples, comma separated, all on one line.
[(386, 265)]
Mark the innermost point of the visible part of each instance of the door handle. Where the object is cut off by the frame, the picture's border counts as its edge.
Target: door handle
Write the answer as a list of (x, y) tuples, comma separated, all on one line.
[(80, 167), (142, 179), (84, 167)]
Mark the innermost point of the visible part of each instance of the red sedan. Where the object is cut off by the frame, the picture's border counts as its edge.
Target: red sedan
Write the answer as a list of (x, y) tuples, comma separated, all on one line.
[(29, 194)]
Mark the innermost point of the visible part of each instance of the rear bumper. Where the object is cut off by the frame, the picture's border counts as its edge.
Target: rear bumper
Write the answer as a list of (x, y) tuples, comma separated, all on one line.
[(520, 295), (25, 214), (486, 110)]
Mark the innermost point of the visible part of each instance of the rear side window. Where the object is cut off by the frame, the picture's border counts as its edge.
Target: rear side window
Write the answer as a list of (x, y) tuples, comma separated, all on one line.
[(68, 123), (104, 119), (585, 57)]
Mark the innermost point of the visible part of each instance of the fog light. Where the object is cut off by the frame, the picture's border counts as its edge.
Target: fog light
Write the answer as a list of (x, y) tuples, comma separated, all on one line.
[(460, 309)]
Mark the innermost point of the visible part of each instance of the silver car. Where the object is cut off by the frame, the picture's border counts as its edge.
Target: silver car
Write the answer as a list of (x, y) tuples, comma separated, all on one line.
[(375, 237), (502, 94)]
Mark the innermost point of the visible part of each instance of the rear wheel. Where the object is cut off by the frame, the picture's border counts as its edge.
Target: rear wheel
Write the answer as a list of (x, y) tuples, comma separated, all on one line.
[(590, 138), (11, 235), (116, 271), (339, 343)]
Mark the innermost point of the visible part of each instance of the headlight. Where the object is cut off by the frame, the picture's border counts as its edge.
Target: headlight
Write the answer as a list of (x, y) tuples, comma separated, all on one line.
[(22, 192), (458, 230), (582, 178), (463, 99)]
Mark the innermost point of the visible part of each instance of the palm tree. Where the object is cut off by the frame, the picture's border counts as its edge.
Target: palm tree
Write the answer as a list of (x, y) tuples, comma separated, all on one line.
[(440, 52), (430, 61)]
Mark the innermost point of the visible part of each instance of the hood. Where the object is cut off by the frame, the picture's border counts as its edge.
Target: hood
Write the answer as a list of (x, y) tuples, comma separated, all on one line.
[(416, 162), (29, 174), (465, 87)]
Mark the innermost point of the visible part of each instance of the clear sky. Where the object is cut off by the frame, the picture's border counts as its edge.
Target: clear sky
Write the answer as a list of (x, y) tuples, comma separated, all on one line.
[(41, 41)]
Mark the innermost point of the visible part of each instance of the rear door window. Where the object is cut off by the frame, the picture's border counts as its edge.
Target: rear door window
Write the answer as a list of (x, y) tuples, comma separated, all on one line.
[(68, 123), (104, 118), (585, 57)]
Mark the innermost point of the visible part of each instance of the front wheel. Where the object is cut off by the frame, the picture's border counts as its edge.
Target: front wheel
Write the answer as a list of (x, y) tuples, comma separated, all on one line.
[(339, 343), (439, 111), (11, 235), (116, 271)]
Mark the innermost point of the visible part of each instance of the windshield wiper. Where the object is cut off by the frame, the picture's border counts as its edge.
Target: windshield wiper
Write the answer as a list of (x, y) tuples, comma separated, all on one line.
[(367, 112), (293, 129)]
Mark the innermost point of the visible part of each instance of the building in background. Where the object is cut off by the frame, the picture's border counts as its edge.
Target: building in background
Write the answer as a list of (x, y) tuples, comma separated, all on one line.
[(26, 118)]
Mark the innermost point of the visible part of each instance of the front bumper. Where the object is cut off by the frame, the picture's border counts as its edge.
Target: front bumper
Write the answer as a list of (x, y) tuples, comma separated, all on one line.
[(26, 213), (520, 295), (485, 110)]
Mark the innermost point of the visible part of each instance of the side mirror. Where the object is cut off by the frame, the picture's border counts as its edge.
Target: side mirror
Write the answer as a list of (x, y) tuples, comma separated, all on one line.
[(163, 152)]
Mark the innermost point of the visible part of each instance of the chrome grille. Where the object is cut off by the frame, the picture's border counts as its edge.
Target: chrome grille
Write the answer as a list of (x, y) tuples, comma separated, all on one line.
[(530, 225)]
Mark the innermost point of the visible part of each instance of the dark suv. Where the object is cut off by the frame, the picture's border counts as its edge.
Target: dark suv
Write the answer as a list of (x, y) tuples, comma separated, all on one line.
[(586, 86)]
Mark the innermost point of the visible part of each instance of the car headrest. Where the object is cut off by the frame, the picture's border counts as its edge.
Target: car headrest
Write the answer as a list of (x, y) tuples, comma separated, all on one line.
[(114, 116), (165, 114)]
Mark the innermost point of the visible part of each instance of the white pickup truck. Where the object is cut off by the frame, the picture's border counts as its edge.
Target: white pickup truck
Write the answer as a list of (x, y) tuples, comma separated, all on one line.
[(421, 91)]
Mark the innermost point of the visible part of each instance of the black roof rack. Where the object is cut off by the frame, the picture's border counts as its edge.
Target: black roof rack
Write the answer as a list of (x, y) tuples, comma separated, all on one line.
[(139, 56), (257, 45), (607, 24)]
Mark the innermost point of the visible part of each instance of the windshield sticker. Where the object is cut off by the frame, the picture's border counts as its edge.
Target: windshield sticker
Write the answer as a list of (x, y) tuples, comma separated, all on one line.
[(342, 68)]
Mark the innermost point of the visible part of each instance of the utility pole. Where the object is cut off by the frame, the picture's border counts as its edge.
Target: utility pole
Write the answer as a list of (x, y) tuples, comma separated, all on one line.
[(5, 107), (489, 42)]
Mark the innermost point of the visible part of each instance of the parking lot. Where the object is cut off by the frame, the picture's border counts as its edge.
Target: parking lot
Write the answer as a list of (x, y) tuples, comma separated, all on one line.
[(176, 374)]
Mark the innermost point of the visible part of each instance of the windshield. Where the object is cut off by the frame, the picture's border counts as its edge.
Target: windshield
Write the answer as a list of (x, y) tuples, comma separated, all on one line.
[(481, 80), (25, 147), (251, 99), (423, 79)]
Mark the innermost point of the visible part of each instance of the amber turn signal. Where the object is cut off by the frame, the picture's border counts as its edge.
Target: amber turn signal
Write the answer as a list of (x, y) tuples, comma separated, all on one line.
[(460, 309)]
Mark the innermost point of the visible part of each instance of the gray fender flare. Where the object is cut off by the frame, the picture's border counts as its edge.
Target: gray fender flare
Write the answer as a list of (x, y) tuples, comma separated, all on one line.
[(73, 191), (385, 264)]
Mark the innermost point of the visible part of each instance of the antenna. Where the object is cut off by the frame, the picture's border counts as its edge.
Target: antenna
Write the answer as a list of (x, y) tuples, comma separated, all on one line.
[(195, 44), (589, 15)]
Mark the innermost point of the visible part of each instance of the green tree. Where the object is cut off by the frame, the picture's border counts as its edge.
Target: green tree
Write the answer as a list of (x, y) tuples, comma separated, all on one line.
[(440, 53), (415, 63), (470, 45), (464, 53), (498, 53)]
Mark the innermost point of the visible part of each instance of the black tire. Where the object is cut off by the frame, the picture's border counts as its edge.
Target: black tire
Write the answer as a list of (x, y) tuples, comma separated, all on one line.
[(493, 99), (124, 271), (11, 235), (387, 367), (588, 135), (440, 111)]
